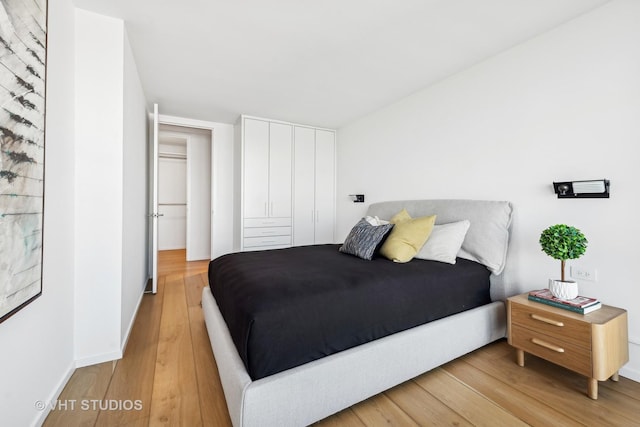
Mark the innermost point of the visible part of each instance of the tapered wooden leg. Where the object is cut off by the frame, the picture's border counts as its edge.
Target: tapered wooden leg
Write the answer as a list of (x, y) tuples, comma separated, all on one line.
[(592, 388), (615, 376), (520, 357)]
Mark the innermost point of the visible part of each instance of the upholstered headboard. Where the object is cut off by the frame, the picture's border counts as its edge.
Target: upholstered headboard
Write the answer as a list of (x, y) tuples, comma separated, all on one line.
[(486, 241)]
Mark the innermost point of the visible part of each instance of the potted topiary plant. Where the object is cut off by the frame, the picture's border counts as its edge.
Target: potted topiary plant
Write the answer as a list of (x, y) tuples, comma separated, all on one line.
[(563, 242)]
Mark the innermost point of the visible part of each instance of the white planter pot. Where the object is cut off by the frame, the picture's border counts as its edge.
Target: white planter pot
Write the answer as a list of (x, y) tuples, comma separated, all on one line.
[(563, 290)]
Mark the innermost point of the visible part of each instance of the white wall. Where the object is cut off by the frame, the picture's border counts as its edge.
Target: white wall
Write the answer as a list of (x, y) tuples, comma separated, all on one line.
[(99, 183), (562, 106), (110, 193), (37, 342), (199, 197), (222, 195), (135, 194)]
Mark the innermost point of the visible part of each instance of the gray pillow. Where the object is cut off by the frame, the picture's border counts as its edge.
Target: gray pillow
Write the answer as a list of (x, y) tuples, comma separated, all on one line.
[(488, 237), (364, 238)]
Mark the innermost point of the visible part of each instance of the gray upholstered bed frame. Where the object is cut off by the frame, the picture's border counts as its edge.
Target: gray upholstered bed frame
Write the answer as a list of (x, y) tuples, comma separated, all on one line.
[(308, 393)]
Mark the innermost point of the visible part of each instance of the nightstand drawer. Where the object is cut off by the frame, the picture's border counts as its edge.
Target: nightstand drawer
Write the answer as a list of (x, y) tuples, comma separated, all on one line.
[(560, 326), (553, 349)]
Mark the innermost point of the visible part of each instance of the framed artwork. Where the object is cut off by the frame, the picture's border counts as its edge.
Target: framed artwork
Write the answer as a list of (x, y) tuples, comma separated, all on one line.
[(23, 50)]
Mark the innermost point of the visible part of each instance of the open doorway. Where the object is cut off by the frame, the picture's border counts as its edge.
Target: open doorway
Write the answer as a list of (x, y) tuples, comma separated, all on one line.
[(212, 174), (184, 193)]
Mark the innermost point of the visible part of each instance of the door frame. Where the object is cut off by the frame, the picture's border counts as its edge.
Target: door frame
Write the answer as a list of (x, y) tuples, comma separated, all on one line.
[(224, 129)]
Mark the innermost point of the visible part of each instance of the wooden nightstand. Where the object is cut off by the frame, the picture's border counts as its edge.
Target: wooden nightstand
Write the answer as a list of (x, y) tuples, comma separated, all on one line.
[(594, 344)]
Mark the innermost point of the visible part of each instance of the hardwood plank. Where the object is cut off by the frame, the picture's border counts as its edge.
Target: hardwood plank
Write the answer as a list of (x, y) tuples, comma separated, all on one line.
[(621, 404), (509, 398), (423, 407), (498, 349), (467, 402), (175, 398), (196, 267), (624, 386), (212, 402), (380, 410), (171, 261), (133, 376), (540, 384), (86, 384), (193, 288), (345, 418), (174, 262)]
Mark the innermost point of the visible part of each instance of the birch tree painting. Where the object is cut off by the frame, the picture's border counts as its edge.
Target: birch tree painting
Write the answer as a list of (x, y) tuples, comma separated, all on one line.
[(23, 35)]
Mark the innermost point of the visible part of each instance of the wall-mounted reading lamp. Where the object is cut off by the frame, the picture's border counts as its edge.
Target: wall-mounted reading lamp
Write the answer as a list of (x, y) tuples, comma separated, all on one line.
[(593, 189), (357, 198)]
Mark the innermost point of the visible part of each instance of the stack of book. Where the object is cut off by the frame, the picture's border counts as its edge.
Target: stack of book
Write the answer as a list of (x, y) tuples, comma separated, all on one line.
[(582, 305)]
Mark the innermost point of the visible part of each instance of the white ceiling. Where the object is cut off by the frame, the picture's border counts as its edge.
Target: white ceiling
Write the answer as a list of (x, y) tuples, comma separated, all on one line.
[(322, 62)]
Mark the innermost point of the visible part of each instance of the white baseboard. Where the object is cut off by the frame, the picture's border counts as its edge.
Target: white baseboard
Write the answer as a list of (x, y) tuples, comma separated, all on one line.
[(42, 416), (133, 320), (631, 374), (99, 358), (632, 369)]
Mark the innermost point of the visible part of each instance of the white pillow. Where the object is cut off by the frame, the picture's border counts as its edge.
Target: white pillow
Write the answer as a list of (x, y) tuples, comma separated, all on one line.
[(444, 242), (375, 221)]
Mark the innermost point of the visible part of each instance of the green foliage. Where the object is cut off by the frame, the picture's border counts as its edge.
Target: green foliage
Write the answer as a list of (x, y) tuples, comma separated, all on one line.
[(563, 242)]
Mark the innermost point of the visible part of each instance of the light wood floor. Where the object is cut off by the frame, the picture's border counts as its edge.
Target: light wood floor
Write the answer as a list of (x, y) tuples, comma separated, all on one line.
[(169, 373)]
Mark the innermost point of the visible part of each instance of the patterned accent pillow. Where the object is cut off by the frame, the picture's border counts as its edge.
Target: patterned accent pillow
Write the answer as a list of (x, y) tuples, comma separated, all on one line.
[(364, 238)]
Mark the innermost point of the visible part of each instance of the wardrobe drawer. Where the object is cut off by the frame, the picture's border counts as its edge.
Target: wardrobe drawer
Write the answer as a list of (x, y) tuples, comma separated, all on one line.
[(268, 222), (267, 231), (250, 242)]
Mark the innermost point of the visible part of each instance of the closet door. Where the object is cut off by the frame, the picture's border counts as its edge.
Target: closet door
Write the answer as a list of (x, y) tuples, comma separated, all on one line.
[(324, 186), (304, 186), (279, 182), (256, 168)]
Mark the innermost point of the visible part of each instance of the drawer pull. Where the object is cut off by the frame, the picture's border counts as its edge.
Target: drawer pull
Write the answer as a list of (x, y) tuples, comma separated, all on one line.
[(547, 320), (547, 345)]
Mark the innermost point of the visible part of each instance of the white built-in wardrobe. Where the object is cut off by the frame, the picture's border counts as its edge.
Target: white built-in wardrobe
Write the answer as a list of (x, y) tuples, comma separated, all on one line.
[(286, 180)]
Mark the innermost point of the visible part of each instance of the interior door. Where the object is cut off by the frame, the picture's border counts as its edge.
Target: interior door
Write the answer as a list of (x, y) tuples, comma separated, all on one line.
[(154, 201)]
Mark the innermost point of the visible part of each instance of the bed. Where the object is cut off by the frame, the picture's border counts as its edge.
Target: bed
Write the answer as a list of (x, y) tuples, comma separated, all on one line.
[(301, 383)]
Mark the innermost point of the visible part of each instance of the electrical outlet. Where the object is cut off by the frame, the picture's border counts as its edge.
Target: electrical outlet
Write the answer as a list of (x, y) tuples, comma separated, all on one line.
[(584, 274)]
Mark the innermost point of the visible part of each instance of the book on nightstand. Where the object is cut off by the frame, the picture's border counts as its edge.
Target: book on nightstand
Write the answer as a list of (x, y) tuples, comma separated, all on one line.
[(582, 305)]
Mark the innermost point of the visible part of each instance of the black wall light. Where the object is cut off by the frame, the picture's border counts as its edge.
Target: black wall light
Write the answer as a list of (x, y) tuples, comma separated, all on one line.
[(357, 198), (592, 189)]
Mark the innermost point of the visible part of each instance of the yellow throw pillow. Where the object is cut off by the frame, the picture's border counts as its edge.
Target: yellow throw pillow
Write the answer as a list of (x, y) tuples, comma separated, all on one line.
[(407, 236), (403, 215)]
